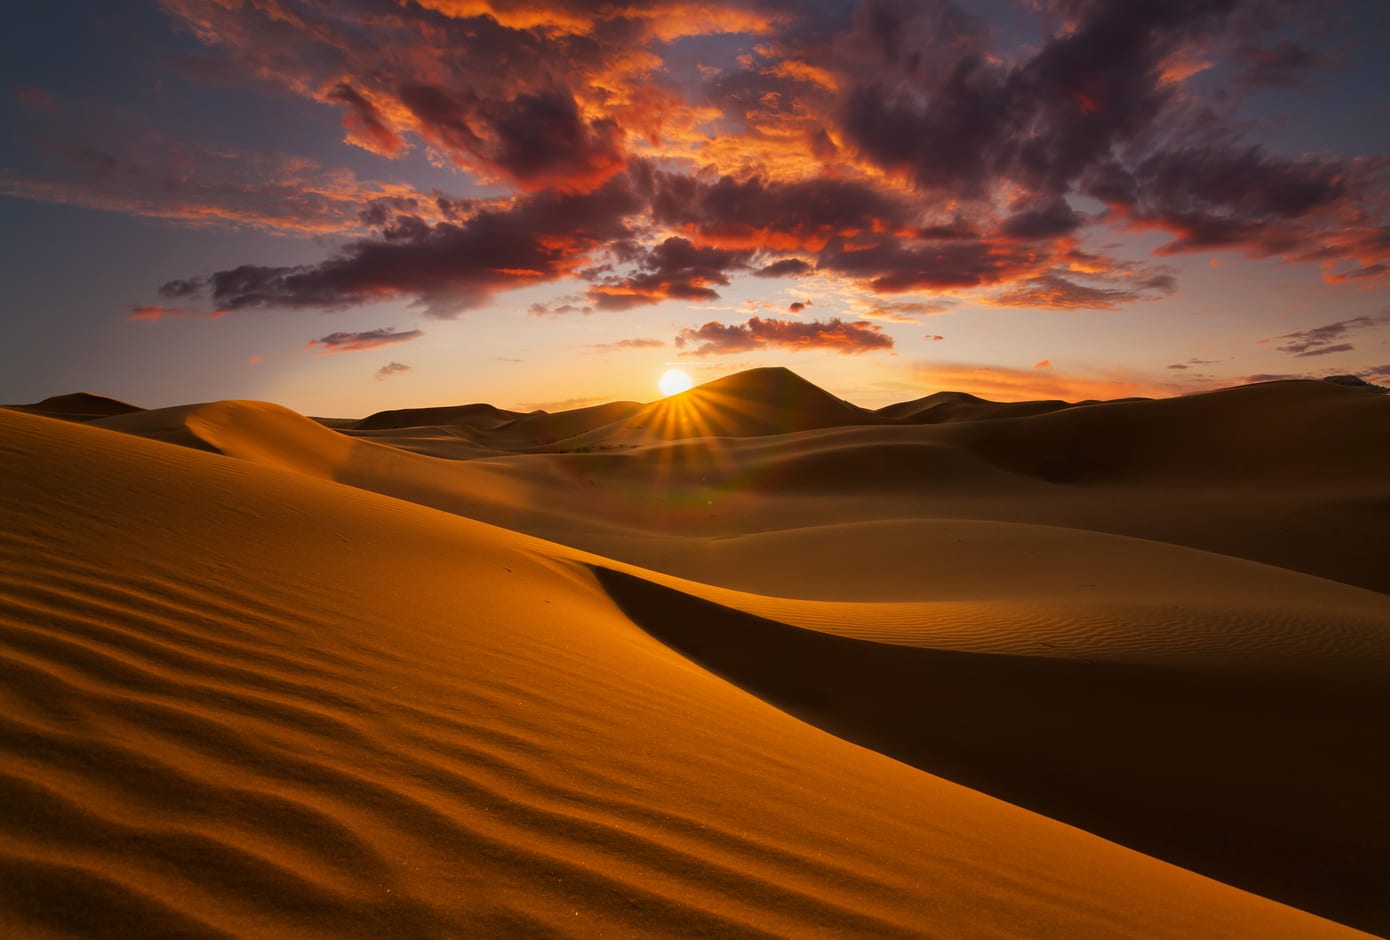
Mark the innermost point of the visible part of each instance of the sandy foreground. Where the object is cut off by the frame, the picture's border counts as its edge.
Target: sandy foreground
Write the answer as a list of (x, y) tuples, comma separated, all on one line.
[(747, 661)]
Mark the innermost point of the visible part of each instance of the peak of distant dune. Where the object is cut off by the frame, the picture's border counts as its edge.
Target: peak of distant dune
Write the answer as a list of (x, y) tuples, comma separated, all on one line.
[(477, 416), (753, 403), (962, 406), (79, 406)]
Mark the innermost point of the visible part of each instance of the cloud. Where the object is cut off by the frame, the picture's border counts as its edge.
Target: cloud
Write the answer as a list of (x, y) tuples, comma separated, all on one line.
[(774, 215), (797, 306), (37, 99), (623, 344), (365, 124), (446, 267), (1099, 109), (1051, 219), (787, 267), (1273, 377), (1060, 293), (538, 140), (1373, 374), (159, 312), (1181, 366), (715, 338), (891, 145), (1003, 383), (356, 342), (1285, 64), (675, 269), (142, 173), (905, 311), (1327, 339), (391, 369)]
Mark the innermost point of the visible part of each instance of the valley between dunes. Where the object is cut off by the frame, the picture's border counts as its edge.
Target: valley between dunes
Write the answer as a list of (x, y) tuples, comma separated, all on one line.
[(746, 661)]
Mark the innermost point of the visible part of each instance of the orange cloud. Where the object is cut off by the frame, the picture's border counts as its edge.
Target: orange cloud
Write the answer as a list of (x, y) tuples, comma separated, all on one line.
[(158, 312), (1003, 383), (664, 21), (364, 122)]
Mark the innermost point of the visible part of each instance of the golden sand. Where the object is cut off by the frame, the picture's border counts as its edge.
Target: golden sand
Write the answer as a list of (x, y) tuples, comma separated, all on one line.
[(747, 661)]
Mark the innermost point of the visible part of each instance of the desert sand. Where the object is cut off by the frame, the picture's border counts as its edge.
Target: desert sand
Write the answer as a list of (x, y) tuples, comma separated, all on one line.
[(746, 661)]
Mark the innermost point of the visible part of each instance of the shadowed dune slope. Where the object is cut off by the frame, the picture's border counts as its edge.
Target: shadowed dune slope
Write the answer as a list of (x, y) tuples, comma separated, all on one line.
[(541, 428), (1278, 432), (1232, 740), (237, 701)]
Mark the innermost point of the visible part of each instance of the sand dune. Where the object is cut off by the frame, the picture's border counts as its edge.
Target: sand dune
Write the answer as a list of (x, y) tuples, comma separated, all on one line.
[(79, 406), (1288, 473), (958, 406), (240, 698)]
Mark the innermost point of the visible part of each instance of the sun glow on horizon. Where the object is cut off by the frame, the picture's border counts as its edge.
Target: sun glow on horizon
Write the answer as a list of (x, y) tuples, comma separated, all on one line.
[(674, 381)]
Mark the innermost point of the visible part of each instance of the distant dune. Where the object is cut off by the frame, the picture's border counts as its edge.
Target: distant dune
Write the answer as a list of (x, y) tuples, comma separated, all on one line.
[(748, 660), (79, 406)]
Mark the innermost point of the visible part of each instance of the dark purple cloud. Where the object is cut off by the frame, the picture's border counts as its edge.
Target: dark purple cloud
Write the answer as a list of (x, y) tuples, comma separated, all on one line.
[(675, 269), (836, 335), (343, 342), (1328, 339), (447, 267), (538, 140), (787, 267)]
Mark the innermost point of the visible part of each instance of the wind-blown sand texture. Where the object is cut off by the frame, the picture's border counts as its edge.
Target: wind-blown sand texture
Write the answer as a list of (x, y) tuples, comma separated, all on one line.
[(746, 661)]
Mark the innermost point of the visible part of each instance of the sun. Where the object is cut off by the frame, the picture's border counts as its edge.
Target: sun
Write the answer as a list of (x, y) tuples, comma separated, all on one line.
[(673, 381)]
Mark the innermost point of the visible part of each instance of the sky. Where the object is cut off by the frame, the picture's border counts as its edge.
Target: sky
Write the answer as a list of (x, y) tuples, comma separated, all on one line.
[(357, 205)]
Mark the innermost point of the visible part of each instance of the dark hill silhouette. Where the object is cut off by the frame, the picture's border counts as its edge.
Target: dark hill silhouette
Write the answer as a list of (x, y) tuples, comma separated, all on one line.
[(754, 403), (79, 406), (481, 417), (541, 427), (961, 406)]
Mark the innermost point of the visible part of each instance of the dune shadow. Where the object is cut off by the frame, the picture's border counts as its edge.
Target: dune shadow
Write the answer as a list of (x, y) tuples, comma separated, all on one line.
[(1272, 784)]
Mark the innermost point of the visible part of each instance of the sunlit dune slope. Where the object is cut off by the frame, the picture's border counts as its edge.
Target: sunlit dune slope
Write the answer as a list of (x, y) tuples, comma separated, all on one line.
[(240, 701)]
